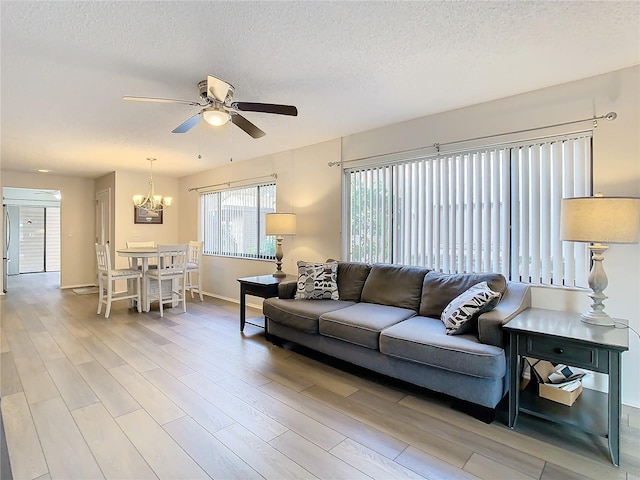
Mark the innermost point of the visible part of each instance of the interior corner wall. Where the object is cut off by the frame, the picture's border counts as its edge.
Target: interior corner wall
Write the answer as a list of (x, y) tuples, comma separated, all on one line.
[(306, 186), (77, 222)]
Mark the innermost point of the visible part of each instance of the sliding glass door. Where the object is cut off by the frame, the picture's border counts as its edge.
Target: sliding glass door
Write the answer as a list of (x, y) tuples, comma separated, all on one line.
[(39, 239)]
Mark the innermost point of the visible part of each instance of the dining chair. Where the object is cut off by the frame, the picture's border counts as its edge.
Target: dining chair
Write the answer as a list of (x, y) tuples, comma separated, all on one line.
[(107, 277), (194, 262), (149, 244), (172, 266)]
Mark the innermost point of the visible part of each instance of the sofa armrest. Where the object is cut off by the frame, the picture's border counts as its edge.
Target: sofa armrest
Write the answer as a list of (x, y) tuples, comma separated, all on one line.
[(516, 299), (287, 289)]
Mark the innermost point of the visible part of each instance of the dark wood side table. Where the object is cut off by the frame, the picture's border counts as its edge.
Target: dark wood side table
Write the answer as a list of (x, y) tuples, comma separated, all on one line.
[(264, 286), (561, 337)]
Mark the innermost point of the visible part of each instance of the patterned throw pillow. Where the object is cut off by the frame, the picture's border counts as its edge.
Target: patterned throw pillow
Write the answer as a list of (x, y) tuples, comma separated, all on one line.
[(317, 281), (461, 310)]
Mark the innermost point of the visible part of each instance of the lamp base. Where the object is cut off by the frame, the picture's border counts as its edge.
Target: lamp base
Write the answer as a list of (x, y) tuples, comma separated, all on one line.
[(598, 282), (600, 319), (279, 273)]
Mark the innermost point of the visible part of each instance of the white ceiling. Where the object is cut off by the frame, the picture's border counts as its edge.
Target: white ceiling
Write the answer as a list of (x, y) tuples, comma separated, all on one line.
[(348, 66)]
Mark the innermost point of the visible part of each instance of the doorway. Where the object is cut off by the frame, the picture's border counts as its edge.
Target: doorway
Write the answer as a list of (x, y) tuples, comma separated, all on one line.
[(31, 242)]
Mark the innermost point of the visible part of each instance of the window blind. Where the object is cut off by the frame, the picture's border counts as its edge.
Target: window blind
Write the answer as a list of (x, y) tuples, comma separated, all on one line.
[(494, 209), (233, 221)]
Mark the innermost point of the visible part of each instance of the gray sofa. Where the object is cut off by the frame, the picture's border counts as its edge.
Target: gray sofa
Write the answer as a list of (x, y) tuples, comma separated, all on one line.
[(387, 320)]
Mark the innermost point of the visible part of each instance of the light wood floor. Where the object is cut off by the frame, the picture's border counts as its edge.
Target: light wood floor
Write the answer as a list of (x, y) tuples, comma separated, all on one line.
[(189, 396)]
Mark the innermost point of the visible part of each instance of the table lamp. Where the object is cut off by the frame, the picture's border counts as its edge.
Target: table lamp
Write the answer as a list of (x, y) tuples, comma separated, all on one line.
[(280, 224), (597, 220)]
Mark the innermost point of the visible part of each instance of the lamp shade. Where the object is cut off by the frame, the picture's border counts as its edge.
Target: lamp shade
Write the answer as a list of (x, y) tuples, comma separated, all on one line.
[(280, 224), (600, 219)]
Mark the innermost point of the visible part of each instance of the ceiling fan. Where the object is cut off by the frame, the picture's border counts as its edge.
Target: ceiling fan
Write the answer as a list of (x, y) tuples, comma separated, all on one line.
[(219, 107)]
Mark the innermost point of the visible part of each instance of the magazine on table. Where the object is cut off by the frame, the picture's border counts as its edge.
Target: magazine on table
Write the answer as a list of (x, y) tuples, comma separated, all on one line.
[(554, 375)]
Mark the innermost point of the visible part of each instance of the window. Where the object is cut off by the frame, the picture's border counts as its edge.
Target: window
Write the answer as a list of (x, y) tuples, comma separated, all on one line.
[(494, 209), (233, 222)]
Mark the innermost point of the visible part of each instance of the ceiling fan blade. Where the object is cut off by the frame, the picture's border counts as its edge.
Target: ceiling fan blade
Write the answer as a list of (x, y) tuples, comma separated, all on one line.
[(218, 89), (161, 100), (187, 125), (265, 108), (239, 121)]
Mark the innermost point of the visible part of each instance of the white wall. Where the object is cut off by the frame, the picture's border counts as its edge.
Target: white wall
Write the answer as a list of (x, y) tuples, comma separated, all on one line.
[(77, 222), (312, 190)]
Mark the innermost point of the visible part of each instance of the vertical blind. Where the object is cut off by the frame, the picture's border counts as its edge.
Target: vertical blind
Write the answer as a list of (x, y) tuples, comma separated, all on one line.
[(39, 245), (52, 232), (233, 221), (492, 209)]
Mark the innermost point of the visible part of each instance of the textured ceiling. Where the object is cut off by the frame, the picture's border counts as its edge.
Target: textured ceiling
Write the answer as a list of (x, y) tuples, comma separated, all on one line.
[(347, 66)]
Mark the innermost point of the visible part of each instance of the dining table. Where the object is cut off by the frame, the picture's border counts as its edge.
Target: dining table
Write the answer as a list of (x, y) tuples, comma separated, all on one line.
[(140, 256)]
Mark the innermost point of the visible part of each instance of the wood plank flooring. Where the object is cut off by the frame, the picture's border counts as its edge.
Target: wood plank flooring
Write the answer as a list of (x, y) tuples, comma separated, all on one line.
[(188, 396)]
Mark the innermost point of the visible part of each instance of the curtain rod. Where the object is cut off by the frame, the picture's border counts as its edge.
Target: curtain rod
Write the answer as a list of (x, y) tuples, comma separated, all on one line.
[(609, 117), (195, 189)]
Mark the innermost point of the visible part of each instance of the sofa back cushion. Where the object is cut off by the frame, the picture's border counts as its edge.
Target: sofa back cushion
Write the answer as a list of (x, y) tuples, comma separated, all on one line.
[(440, 288), (351, 278), (396, 285)]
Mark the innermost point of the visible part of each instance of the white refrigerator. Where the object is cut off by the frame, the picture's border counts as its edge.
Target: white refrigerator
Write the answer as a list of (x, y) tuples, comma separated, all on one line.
[(6, 243), (10, 242)]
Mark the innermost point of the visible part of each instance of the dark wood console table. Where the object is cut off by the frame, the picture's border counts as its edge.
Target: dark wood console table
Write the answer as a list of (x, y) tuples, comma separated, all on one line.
[(561, 337)]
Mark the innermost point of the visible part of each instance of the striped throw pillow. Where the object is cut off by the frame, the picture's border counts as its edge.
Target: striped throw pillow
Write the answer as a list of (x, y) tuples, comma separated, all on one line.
[(458, 315)]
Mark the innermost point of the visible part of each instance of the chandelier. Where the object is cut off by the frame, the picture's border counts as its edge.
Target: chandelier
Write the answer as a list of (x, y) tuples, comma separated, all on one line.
[(151, 202)]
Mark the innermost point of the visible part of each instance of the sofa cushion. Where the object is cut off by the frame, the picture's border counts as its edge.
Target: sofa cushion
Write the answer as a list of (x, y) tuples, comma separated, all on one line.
[(317, 281), (440, 288), (396, 285), (361, 323), (458, 317), (351, 278), (300, 314), (424, 340)]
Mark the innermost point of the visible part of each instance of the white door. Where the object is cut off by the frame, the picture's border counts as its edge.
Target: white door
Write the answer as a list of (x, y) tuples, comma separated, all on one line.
[(103, 216)]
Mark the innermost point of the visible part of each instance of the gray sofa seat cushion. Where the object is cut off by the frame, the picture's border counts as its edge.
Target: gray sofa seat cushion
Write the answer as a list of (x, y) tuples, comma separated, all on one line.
[(395, 285), (424, 340), (300, 314), (362, 323), (440, 288)]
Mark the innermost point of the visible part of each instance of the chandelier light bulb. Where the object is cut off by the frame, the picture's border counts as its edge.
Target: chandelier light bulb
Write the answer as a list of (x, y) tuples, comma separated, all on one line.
[(151, 202)]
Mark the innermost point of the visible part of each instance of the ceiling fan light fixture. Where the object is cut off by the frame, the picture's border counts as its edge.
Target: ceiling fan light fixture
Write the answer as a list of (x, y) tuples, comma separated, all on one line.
[(215, 116)]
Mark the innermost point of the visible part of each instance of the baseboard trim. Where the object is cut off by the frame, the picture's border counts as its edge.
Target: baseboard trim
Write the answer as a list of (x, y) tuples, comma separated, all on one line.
[(80, 285), (232, 300)]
